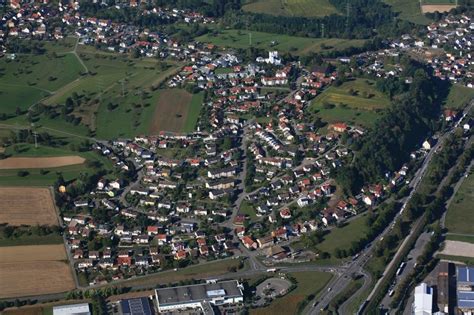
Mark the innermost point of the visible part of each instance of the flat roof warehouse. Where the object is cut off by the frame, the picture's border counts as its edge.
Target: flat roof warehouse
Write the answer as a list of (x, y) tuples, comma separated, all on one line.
[(192, 296)]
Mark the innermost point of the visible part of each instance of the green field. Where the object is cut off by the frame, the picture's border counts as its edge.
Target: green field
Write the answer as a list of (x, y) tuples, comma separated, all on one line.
[(307, 283), (459, 96), (116, 98), (29, 78), (193, 112), (353, 102), (343, 237), (460, 238), (461, 210), (409, 10), (280, 42), (305, 8), (31, 240)]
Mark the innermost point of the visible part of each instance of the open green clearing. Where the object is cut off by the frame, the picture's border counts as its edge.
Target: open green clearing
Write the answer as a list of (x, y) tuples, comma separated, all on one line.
[(461, 210), (409, 10), (343, 237), (307, 283), (193, 112), (29, 78), (305, 8), (283, 43), (115, 99), (459, 96), (355, 102)]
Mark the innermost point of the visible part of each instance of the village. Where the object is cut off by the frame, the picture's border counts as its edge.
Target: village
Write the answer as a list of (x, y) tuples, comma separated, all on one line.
[(259, 177), (255, 175)]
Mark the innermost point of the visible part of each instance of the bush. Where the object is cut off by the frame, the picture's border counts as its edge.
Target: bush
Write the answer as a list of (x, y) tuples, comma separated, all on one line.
[(23, 173)]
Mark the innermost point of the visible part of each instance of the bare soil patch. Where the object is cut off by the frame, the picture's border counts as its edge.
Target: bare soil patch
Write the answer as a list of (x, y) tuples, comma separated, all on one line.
[(28, 206), (430, 8), (32, 270), (456, 248), (39, 162), (171, 111)]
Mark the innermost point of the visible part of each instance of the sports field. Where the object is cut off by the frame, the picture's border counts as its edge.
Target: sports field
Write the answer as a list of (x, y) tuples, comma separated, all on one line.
[(354, 102), (27, 206), (461, 210), (176, 110), (305, 8), (280, 42), (32, 270)]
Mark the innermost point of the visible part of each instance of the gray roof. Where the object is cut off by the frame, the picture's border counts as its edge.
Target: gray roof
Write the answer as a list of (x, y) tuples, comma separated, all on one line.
[(198, 292)]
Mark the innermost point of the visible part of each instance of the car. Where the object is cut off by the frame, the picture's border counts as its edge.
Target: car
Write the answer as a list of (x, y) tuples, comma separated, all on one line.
[(329, 289)]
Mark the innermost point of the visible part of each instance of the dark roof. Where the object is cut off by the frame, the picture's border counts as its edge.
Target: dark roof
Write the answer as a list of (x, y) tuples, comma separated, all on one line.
[(138, 306)]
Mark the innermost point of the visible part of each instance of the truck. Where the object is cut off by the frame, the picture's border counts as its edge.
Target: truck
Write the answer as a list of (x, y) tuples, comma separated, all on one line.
[(272, 270)]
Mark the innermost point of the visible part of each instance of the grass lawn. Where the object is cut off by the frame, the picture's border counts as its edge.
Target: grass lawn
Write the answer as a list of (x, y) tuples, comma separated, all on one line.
[(462, 259), (306, 8), (31, 240), (247, 208), (409, 10), (343, 237), (283, 43), (459, 96), (307, 283), (355, 102), (461, 210)]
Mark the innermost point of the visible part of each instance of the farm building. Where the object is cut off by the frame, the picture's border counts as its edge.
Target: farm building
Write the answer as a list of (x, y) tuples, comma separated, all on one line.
[(73, 309), (199, 296)]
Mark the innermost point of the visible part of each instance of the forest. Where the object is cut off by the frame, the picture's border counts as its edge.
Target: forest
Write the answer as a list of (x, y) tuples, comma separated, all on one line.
[(399, 131)]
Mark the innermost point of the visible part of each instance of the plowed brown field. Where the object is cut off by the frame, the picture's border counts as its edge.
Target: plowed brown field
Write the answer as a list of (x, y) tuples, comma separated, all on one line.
[(39, 162), (32, 270), (25, 205)]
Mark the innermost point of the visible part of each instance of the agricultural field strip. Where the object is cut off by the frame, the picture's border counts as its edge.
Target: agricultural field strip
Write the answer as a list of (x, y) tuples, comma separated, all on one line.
[(26, 205)]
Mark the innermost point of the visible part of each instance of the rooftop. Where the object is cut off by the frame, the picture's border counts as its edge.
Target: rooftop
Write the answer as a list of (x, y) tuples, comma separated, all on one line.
[(198, 292)]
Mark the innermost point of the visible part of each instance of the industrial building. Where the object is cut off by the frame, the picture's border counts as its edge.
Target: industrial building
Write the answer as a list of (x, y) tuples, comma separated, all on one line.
[(465, 289), (138, 306), (199, 296), (423, 304), (72, 309)]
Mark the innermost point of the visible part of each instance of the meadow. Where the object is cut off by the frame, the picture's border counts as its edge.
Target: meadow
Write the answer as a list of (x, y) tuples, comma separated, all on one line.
[(29, 78), (305, 8), (337, 238), (354, 102), (458, 97), (461, 210), (284, 43), (176, 110), (409, 10), (115, 93)]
